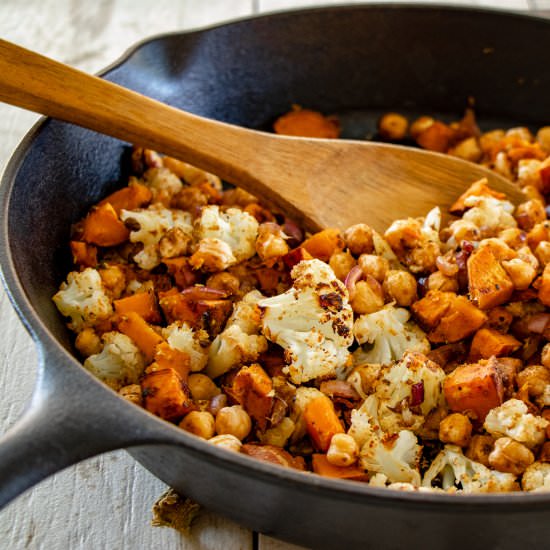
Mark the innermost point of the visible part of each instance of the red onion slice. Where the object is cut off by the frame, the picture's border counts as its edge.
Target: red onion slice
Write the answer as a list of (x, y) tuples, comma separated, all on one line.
[(355, 274), (417, 394), (538, 322)]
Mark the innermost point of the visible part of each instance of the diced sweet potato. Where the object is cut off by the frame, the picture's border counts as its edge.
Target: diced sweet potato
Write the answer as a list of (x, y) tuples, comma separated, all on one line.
[(307, 123), (488, 342), (499, 318), (141, 332), (324, 468), (539, 233), (324, 244), (475, 388), (179, 268), (544, 286), (269, 278), (142, 303), (488, 283), (480, 188), (436, 137), (84, 254), (166, 395), (296, 256), (135, 195), (275, 455), (167, 357), (103, 227), (322, 422), (448, 317), (253, 389)]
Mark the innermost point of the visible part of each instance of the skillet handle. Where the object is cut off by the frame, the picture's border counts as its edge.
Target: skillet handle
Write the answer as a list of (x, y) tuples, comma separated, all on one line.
[(71, 417)]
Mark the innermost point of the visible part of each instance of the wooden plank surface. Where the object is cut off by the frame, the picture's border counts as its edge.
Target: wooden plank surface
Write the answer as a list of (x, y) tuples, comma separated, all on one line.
[(105, 502)]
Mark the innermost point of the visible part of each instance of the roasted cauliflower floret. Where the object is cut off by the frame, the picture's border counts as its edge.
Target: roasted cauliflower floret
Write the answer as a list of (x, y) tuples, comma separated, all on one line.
[(240, 342), (236, 228), (119, 363), (489, 215), (212, 255), (83, 298), (163, 184), (394, 455), (513, 420), (153, 223), (181, 337), (536, 477), (407, 392), (416, 241), (312, 321), (455, 471), (386, 335)]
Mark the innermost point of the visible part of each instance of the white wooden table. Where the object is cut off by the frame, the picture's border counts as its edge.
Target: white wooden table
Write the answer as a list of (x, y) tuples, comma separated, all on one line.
[(105, 502)]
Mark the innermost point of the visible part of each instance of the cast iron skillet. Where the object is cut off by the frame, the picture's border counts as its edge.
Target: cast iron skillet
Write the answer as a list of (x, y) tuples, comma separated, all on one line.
[(355, 61)]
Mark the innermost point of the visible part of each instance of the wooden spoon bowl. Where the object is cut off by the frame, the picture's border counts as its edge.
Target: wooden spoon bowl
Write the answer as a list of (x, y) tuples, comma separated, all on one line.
[(320, 183)]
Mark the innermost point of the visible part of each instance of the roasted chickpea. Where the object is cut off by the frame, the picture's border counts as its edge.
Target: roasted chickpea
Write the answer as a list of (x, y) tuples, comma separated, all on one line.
[(200, 423), (343, 450), (464, 230), (489, 139), (480, 448), (202, 386), (528, 172), (367, 296), (510, 456), (375, 266), (520, 132), (226, 441), (270, 242), (114, 279), (393, 126), (359, 239), (438, 281), (233, 420), (456, 429), (132, 393), (467, 149), (542, 252), (529, 213), (400, 286), (537, 377), (521, 273), (420, 125), (512, 236), (88, 342), (341, 263), (543, 138), (545, 356), (533, 193)]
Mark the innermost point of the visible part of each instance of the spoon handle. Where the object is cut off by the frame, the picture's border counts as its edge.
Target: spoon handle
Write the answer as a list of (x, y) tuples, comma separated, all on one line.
[(40, 84)]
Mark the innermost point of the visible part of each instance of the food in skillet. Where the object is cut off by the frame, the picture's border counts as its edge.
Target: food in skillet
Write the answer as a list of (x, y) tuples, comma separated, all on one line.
[(417, 359)]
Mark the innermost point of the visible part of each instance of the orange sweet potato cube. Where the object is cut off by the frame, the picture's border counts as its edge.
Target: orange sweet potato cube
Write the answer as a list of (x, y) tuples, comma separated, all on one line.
[(103, 227), (275, 455), (133, 196), (166, 395), (488, 342), (295, 256), (474, 388), (488, 283), (307, 123), (430, 310), (141, 332), (480, 188), (84, 254), (324, 468), (142, 303), (544, 288), (167, 357), (253, 389), (179, 268), (323, 244), (322, 422)]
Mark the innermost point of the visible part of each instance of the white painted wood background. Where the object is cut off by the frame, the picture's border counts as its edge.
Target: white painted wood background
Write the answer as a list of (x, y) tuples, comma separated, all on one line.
[(106, 502)]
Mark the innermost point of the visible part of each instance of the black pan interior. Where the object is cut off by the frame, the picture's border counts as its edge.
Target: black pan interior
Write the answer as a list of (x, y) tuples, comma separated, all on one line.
[(356, 61)]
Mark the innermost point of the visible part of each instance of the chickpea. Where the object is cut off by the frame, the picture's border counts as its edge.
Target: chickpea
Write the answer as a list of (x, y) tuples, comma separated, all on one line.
[(88, 342), (521, 273), (341, 263), (528, 172), (233, 420), (513, 237), (467, 149), (400, 286), (420, 125), (464, 230), (212, 255), (529, 213), (510, 456), (375, 266), (543, 138), (200, 423), (270, 242), (238, 197), (438, 281), (343, 450), (456, 429), (224, 281), (542, 252), (359, 239), (520, 132), (202, 386), (533, 193), (226, 441), (489, 139), (368, 297), (537, 377), (132, 393), (393, 126), (114, 279), (480, 448)]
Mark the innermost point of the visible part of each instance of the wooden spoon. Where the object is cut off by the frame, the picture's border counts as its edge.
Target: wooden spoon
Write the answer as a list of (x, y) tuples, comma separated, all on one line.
[(320, 183)]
